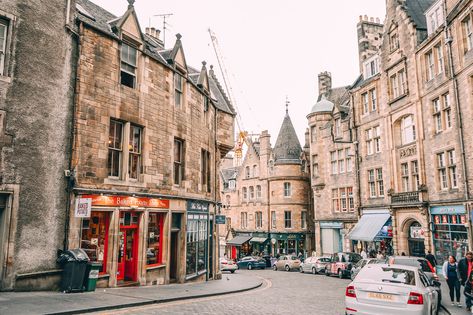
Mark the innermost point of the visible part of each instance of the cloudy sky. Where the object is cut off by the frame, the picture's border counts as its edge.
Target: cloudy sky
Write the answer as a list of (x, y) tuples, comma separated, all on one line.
[(271, 48)]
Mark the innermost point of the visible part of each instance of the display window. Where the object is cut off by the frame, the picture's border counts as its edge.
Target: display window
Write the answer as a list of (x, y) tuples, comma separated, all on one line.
[(154, 252), (94, 237), (450, 236), (197, 242)]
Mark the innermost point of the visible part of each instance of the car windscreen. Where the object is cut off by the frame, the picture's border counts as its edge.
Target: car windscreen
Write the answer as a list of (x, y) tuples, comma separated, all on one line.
[(388, 274), (414, 263), (294, 258)]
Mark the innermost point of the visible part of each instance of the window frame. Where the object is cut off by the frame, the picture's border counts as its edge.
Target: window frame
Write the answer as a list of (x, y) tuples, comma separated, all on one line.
[(118, 151), (6, 41), (160, 219), (287, 190), (138, 153), (178, 80), (128, 66), (178, 163), (287, 219)]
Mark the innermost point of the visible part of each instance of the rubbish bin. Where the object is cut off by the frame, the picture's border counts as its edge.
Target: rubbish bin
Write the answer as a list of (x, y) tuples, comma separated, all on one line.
[(91, 275), (74, 263)]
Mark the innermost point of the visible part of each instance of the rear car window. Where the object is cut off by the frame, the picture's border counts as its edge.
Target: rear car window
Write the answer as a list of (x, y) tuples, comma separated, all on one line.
[(388, 275), (325, 259), (420, 263)]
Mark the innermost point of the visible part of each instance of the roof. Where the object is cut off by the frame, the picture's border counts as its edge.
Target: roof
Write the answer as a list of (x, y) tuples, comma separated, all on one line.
[(287, 149), (229, 173), (416, 9), (96, 16), (322, 106)]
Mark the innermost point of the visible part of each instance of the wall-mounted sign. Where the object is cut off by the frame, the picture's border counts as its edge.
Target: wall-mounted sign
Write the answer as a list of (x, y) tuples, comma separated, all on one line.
[(451, 209), (220, 219), (417, 232), (197, 206), (83, 207), (128, 201)]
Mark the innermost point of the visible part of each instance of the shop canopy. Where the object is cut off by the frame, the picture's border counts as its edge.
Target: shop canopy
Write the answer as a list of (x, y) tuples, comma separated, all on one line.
[(369, 226), (238, 240), (258, 239)]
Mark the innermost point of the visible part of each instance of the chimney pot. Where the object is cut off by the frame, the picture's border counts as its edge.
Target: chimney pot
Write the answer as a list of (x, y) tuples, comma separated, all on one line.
[(365, 17), (377, 20), (147, 31), (371, 19)]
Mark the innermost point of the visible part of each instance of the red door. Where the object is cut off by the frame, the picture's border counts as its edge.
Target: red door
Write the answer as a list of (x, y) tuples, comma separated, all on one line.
[(128, 247)]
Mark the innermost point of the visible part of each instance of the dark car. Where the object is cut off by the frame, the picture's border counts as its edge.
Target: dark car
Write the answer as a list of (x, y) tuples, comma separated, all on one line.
[(341, 264), (251, 262)]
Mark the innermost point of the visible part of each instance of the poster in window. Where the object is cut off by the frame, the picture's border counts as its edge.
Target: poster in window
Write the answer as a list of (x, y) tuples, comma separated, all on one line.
[(83, 207), (463, 219), (444, 219), (454, 219), (437, 219)]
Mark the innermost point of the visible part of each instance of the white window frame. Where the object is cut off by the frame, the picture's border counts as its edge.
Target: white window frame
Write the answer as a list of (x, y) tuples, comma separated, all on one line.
[(287, 190)]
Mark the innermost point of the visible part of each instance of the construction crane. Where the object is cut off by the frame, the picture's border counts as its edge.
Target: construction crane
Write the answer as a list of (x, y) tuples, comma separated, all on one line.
[(242, 134)]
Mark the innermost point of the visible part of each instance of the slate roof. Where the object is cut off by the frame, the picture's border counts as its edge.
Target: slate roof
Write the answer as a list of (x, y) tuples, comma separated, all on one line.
[(101, 17), (416, 9), (229, 173), (287, 149)]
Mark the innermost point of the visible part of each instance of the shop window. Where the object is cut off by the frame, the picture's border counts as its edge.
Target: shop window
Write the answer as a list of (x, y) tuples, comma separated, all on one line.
[(205, 170), (115, 148), (94, 237), (197, 240), (134, 167), (178, 161), (450, 236), (128, 66), (154, 253)]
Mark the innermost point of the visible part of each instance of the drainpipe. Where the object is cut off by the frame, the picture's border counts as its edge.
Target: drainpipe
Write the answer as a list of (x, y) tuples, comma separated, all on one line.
[(453, 77)]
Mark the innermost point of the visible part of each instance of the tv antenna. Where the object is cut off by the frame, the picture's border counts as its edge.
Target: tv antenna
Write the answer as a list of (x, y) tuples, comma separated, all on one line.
[(164, 16)]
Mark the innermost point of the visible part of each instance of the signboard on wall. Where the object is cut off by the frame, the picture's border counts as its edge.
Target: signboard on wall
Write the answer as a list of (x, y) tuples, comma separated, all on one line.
[(417, 232), (83, 207), (220, 219), (127, 201)]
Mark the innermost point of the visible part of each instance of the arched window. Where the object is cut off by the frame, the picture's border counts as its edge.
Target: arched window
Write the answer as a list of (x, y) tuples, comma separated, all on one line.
[(258, 192), (247, 172), (245, 193), (252, 192), (255, 171), (408, 130)]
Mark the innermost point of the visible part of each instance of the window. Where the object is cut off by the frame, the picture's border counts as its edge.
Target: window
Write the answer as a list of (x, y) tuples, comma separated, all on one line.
[(377, 139), (245, 193), (408, 130), (364, 98), (371, 67), (405, 176), (333, 162), (313, 134), (440, 64), (258, 192), (341, 161), (273, 219), (369, 141), (258, 219), (397, 84), (197, 240), (287, 190), (94, 237), (205, 170), (446, 110), (128, 65), (154, 251), (447, 169), (303, 219), (3, 45), (247, 172), (178, 88), (244, 220), (255, 171), (342, 199), (115, 135), (315, 166), (348, 159), (287, 219), (434, 18), (437, 115), (373, 140), (442, 113), (393, 41), (338, 127), (178, 161), (429, 65), (442, 171), (252, 192), (468, 33), (371, 184), (134, 167), (415, 175), (373, 100), (452, 169), (379, 181)]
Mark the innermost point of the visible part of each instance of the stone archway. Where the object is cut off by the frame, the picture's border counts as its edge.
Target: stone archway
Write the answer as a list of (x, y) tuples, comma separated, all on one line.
[(412, 238)]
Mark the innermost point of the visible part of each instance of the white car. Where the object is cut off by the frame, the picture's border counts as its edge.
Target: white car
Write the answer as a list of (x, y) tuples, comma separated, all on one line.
[(314, 264), (391, 289), (228, 265)]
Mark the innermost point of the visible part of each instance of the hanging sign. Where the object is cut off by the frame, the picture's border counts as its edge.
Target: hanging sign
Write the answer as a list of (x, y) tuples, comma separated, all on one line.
[(220, 219), (83, 207)]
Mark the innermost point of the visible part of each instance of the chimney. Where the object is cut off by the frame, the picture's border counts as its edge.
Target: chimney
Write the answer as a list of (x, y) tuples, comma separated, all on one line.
[(325, 82), (153, 32)]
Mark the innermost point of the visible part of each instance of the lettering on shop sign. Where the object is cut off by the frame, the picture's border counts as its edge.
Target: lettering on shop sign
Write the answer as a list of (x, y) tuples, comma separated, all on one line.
[(409, 151), (197, 206), (128, 201), (83, 207)]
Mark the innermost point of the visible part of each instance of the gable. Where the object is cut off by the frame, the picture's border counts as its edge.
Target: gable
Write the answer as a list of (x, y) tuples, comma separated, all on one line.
[(131, 28), (180, 59)]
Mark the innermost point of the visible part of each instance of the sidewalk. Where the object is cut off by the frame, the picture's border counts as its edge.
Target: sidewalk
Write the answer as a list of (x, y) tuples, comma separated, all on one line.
[(454, 310), (115, 298)]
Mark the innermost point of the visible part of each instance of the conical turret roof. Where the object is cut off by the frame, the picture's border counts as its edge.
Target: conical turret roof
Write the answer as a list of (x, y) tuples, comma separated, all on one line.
[(287, 149)]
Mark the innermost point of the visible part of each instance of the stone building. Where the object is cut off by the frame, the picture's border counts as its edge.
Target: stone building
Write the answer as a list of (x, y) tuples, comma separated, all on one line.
[(266, 199), (149, 134), (408, 111), (36, 94)]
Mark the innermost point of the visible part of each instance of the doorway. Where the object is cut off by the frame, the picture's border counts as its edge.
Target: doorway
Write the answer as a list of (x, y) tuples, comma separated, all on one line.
[(174, 254), (3, 234), (128, 247)]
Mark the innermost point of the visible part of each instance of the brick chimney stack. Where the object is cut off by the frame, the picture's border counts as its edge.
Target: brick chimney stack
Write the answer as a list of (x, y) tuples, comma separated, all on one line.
[(153, 32), (325, 82)]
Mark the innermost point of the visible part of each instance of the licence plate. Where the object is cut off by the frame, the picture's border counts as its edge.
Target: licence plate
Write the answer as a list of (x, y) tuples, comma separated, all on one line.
[(381, 296)]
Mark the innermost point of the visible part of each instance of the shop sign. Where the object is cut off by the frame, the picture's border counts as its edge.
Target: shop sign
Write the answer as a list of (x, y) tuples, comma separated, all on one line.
[(128, 201), (220, 219), (454, 209), (331, 225), (83, 207), (417, 232), (197, 206)]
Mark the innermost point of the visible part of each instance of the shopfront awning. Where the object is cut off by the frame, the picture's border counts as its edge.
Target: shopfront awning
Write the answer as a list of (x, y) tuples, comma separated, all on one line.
[(238, 240), (258, 239), (369, 226)]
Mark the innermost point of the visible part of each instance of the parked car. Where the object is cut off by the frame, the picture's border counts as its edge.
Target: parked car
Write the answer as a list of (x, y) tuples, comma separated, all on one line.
[(419, 262), (251, 262), (391, 289), (227, 265), (359, 265), (314, 264), (287, 262), (341, 263)]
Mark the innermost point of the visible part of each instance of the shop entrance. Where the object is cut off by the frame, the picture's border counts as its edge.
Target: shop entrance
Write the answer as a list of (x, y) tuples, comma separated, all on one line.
[(174, 257), (416, 240), (128, 247)]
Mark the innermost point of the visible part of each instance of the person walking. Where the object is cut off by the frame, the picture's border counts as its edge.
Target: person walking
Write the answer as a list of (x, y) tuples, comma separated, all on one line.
[(464, 269), (451, 274), (431, 259), (363, 254)]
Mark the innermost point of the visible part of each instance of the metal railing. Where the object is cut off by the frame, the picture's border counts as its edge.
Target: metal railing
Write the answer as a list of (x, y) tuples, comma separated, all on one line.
[(405, 197)]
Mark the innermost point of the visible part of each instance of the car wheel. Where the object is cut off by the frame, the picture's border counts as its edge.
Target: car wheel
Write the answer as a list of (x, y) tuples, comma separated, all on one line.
[(301, 269), (327, 272), (275, 268), (232, 271), (314, 271), (287, 268), (250, 266), (340, 273)]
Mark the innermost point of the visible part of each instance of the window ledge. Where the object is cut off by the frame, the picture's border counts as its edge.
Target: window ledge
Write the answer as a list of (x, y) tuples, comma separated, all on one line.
[(400, 97), (153, 267), (195, 275), (120, 182)]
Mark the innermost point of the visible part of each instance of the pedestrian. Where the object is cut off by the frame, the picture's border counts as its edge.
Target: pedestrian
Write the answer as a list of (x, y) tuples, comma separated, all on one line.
[(431, 259), (451, 274), (464, 268), (363, 254), (379, 255)]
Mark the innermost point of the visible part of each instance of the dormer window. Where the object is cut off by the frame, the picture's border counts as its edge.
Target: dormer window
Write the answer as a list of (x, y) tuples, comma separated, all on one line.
[(393, 41), (434, 17), (371, 67), (128, 65)]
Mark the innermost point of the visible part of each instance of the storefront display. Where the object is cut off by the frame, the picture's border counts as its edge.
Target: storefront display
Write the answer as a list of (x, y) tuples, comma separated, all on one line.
[(94, 237), (450, 234), (197, 238), (154, 253)]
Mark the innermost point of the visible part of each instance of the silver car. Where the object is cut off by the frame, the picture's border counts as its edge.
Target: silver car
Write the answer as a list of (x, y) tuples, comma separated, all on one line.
[(314, 264), (391, 290)]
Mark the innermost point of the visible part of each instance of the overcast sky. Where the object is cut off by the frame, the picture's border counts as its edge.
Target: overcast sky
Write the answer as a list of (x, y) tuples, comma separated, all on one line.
[(271, 48)]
